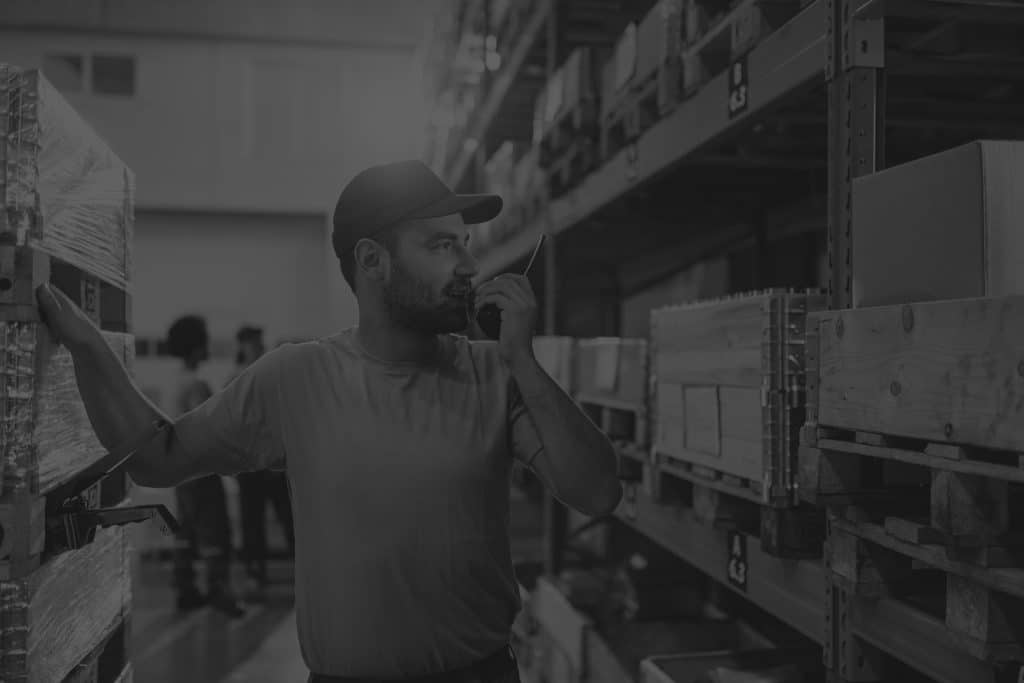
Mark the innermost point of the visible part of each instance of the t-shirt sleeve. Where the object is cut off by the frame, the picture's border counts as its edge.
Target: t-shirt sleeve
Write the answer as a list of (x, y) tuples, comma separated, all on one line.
[(524, 441), (233, 430)]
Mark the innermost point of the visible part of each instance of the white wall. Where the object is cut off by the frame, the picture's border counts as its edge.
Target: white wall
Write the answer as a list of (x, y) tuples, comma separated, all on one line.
[(243, 126)]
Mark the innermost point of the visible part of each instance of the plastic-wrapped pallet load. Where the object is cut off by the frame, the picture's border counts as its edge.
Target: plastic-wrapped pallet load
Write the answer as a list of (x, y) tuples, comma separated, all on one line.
[(67, 219)]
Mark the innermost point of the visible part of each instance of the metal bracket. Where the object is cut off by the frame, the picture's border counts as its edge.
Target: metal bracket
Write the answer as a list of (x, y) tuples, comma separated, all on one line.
[(864, 44)]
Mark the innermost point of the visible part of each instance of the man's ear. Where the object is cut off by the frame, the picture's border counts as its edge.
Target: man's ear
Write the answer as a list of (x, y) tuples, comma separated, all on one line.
[(372, 259)]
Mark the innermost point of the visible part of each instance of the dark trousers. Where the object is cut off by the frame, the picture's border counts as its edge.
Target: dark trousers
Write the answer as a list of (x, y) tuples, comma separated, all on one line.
[(500, 667), (205, 531), (255, 489)]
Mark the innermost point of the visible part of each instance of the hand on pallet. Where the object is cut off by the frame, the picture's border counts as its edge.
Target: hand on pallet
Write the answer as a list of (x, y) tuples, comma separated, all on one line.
[(67, 323)]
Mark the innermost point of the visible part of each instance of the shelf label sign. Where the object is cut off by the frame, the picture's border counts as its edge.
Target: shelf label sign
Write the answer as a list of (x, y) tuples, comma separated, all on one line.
[(737, 569), (738, 87)]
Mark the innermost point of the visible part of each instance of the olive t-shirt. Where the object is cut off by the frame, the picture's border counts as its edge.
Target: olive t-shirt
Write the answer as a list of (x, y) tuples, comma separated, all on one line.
[(399, 478)]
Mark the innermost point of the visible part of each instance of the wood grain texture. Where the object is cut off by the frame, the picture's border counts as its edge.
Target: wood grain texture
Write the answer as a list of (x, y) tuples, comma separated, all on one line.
[(713, 342), (948, 371), (702, 433), (63, 190), (64, 437), (65, 609)]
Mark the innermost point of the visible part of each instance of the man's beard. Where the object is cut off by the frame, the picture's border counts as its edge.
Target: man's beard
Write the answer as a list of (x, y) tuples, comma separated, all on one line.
[(411, 304)]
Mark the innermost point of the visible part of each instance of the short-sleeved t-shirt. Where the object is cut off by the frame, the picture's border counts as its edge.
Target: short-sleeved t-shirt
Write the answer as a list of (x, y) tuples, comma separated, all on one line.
[(399, 477)]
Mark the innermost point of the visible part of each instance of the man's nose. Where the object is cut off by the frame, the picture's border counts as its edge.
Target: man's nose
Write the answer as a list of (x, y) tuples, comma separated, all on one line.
[(467, 266)]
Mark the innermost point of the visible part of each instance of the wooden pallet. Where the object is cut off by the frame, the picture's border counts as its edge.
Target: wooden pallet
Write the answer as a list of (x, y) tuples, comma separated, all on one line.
[(60, 611), (733, 504), (973, 503), (896, 557)]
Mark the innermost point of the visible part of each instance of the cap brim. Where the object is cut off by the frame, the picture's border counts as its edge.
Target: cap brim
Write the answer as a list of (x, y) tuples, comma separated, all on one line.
[(474, 208)]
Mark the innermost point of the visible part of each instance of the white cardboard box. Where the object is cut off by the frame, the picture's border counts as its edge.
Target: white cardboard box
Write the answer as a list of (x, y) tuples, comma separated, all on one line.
[(947, 226)]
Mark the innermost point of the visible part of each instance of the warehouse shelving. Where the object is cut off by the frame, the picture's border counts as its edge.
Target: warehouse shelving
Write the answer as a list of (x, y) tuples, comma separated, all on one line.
[(877, 82), (786, 62)]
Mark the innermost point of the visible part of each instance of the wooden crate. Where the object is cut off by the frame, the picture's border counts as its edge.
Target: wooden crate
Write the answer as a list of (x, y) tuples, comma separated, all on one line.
[(640, 84), (570, 105), (67, 219), (945, 375), (728, 380)]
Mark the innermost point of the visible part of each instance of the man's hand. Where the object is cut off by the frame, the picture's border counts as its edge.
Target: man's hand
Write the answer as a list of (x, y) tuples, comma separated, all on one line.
[(67, 323), (513, 295)]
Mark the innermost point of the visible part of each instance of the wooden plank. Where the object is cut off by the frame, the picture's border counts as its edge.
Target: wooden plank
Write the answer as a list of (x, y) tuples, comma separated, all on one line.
[(1009, 581), (741, 415), (701, 432), (947, 371), (713, 342), (670, 417), (739, 368), (985, 624), (969, 507), (64, 191), (64, 437), (55, 617)]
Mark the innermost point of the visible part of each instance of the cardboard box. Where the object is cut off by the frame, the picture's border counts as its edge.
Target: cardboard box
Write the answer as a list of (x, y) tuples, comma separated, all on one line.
[(947, 226)]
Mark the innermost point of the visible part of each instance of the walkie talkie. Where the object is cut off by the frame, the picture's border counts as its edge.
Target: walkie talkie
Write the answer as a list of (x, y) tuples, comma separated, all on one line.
[(488, 316)]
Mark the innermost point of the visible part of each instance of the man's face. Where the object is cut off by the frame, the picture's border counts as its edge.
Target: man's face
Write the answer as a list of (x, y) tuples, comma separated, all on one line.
[(429, 284)]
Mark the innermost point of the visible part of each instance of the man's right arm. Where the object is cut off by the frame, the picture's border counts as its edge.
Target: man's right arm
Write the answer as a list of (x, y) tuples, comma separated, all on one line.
[(228, 433)]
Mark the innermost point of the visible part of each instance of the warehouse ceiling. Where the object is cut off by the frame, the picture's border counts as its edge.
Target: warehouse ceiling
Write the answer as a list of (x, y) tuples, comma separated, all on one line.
[(390, 24)]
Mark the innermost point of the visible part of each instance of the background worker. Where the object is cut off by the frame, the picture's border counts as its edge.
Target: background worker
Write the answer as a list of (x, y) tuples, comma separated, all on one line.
[(255, 489), (398, 436), (202, 506)]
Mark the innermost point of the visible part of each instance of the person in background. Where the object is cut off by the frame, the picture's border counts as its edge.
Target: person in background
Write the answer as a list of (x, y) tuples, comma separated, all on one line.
[(202, 506), (256, 488)]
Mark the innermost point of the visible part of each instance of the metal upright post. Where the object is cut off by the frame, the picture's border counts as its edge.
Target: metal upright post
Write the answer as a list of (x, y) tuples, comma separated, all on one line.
[(556, 518), (856, 94), (856, 124)]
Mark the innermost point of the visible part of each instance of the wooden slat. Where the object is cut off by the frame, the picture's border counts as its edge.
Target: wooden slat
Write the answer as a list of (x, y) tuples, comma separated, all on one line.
[(702, 433), (727, 324), (66, 608), (64, 437), (670, 417), (939, 371), (64, 191), (740, 368)]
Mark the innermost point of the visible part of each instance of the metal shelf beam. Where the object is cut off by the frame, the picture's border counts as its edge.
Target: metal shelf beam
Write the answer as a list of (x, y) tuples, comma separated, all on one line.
[(792, 590)]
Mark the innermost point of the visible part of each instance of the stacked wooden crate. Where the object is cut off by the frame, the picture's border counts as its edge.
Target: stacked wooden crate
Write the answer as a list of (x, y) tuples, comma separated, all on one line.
[(67, 219), (566, 120), (728, 402), (915, 422), (639, 83), (717, 34)]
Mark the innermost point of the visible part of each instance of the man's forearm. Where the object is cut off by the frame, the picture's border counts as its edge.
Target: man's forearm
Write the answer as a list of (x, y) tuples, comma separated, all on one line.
[(582, 459), (119, 412)]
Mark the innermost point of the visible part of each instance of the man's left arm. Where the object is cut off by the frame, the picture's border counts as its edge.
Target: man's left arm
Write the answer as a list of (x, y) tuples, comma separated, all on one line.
[(575, 459)]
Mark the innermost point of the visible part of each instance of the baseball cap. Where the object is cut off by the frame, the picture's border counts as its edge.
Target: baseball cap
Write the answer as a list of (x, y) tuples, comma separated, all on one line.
[(383, 195)]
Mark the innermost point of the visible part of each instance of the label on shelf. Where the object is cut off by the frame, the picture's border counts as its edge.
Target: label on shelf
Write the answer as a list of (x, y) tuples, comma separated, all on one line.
[(737, 569), (738, 87)]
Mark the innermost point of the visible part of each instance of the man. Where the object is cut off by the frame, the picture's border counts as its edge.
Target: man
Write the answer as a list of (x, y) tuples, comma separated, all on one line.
[(397, 437), (202, 505), (256, 488)]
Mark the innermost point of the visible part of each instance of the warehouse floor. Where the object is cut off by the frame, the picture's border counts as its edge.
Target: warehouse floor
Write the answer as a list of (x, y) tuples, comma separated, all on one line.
[(205, 646)]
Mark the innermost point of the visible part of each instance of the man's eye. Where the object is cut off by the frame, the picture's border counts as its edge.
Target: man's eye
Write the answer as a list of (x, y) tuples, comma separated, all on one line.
[(445, 244)]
